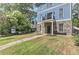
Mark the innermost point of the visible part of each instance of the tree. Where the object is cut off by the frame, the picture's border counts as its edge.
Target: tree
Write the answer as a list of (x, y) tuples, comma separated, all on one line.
[(19, 21), (4, 30), (75, 13), (18, 16), (25, 8)]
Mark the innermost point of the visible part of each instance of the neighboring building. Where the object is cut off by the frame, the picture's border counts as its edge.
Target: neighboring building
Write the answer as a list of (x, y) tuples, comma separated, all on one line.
[(53, 18)]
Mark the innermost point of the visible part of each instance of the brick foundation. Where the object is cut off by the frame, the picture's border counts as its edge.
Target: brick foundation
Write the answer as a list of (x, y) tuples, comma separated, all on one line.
[(67, 26)]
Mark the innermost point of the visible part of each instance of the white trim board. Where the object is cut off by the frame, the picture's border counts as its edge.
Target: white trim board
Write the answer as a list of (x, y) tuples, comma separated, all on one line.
[(56, 20), (39, 22), (63, 20)]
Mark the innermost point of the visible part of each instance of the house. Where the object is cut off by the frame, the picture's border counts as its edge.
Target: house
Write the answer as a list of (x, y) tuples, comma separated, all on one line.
[(54, 18)]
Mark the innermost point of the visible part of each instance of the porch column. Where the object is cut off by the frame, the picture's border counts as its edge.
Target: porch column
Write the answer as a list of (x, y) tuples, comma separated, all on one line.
[(51, 28), (43, 28)]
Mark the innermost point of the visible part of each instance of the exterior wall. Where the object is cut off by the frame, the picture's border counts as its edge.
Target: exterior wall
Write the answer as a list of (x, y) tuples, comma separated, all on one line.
[(66, 7), (66, 20), (44, 6), (67, 26)]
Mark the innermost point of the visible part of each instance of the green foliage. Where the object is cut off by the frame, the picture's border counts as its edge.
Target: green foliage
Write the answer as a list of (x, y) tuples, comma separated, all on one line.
[(17, 19), (3, 25), (75, 17), (76, 38), (75, 22), (18, 16)]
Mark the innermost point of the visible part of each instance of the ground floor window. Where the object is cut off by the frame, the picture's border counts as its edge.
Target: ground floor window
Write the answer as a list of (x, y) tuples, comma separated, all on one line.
[(61, 27)]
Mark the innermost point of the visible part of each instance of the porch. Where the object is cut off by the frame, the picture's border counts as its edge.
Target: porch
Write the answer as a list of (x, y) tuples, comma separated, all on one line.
[(55, 27), (45, 27)]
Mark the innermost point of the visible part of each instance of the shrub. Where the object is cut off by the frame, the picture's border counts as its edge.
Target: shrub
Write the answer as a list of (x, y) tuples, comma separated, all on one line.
[(76, 38)]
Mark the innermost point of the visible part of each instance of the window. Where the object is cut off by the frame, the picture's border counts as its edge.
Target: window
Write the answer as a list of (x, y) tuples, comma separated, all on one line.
[(61, 27), (49, 15), (44, 17), (61, 13), (33, 22), (49, 5), (54, 15)]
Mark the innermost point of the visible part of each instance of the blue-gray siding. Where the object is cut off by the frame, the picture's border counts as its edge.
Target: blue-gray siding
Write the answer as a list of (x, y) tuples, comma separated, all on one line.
[(66, 9)]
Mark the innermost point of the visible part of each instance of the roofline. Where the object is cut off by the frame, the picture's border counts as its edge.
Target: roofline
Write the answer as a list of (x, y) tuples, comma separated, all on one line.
[(39, 4)]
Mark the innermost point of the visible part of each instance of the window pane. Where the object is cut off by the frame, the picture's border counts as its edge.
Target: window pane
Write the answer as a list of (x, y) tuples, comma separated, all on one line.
[(61, 13), (33, 22), (61, 27), (54, 15), (49, 15)]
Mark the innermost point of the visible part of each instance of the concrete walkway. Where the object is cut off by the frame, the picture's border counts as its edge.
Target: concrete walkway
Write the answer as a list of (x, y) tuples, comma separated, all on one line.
[(18, 41)]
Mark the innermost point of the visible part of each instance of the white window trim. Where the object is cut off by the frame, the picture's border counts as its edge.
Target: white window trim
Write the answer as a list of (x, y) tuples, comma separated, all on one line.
[(63, 13), (63, 29)]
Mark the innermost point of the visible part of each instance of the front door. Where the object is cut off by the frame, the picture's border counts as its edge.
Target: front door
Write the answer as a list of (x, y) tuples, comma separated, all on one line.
[(49, 29)]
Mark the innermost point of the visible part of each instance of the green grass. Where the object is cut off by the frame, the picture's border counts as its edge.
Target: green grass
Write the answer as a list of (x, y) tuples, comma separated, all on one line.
[(26, 50), (40, 46), (47, 45), (6, 40)]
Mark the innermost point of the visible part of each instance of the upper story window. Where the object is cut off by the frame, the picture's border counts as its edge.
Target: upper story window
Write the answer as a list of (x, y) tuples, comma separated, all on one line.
[(61, 13), (49, 15), (54, 15), (49, 5), (33, 22), (44, 17)]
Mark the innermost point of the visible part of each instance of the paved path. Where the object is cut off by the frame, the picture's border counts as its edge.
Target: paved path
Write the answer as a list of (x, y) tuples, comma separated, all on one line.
[(18, 41)]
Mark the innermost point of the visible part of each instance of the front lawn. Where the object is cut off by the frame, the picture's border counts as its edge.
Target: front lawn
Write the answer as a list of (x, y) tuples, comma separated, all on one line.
[(6, 40), (59, 44)]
